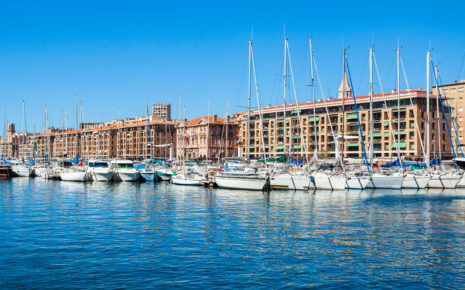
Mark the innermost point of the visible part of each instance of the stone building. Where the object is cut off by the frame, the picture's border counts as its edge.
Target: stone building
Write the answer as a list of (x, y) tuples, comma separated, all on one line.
[(210, 138)]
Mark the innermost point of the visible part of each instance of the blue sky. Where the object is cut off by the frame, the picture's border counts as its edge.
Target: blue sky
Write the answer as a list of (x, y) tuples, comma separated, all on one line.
[(114, 54)]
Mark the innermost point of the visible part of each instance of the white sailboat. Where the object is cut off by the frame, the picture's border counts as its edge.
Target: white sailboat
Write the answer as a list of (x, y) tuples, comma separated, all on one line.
[(379, 180), (75, 173)]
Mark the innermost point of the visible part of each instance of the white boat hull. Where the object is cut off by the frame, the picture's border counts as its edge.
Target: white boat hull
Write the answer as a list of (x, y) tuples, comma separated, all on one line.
[(461, 183), (186, 181), (329, 182), (291, 182), (246, 183), (22, 172), (443, 181), (102, 176), (414, 181), (386, 182), (357, 183), (128, 176), (78, 176)]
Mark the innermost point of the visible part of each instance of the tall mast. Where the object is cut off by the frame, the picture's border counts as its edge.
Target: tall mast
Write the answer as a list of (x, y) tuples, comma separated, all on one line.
[(371, 111), (285, 90), (227, 136), (77, 125), (315, 153), (437, 114), (427, 135), (248, 106), (46, 131), (398, 104), (343, 101)]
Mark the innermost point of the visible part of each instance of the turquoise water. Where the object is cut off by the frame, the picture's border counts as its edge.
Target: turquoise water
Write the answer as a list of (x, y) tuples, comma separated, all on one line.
[(74, 235)]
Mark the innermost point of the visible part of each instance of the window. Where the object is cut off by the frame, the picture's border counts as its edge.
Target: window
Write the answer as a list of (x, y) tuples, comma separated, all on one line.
[(460, 90), (460, 128), (445, 91), (460, 99), (460, 109), (452, 91)]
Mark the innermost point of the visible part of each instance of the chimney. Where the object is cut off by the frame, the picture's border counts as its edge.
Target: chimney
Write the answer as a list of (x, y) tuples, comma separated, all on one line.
[(215, 118)]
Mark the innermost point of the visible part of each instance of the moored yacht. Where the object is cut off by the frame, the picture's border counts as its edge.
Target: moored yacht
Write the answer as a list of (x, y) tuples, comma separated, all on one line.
[(124, 170), (99, 170)]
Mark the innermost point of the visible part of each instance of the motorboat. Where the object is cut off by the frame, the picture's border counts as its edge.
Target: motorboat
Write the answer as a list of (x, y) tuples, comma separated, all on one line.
[(99, 170), (124, 170), (164, 173)]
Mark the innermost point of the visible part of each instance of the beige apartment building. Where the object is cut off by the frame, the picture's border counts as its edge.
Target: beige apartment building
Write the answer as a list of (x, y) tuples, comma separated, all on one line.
[(298, 138), (128, 138), (208, 137), (455, 94)]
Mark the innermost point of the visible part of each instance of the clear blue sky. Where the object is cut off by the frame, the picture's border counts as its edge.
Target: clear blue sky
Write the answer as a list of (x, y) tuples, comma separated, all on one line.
[(116, 54)]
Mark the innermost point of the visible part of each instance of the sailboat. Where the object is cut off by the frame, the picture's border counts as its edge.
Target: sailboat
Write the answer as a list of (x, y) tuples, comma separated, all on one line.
[(75, 173), (439, 178), (391, 180), (293, 179), (248, 178)]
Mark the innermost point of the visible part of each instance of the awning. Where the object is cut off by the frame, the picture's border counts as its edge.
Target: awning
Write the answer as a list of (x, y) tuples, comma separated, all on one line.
[(351, 116), (401, 145), (352, 145)]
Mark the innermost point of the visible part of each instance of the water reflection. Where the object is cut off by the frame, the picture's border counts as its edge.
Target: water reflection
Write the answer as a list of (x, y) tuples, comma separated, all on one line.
[(159, 235)]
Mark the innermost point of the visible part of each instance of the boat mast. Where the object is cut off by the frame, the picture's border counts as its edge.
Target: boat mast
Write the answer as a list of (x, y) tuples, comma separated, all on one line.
[(285, 91), (343, 101), (371, 110), (315, 149), (437, 115), (227, 136), (398, 105), (427, 135), (248, 106)]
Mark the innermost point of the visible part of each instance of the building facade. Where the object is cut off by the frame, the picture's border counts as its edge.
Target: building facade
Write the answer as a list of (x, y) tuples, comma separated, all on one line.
[(140, 137), (454, 93), (273, 132), (210, 138), (162, 111)]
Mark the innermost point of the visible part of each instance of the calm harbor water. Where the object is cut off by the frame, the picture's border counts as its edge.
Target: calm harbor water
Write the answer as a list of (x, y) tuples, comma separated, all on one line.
[(74, 235)]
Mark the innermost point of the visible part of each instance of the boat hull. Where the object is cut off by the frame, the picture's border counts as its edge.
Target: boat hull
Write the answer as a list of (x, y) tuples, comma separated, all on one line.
[(327, 182), (164, 176), (357, 183), (102, 176), (77, 176), (128, 176), (291, 182), (186, 181), (385, 182), (246, 183), (148, 176), (413, 181), (441, 181)]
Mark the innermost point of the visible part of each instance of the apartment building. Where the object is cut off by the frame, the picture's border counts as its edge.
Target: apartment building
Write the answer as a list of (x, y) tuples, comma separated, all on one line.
[(207, 137), (162, 111), (128, 138), (454, 93), (280, 132)]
